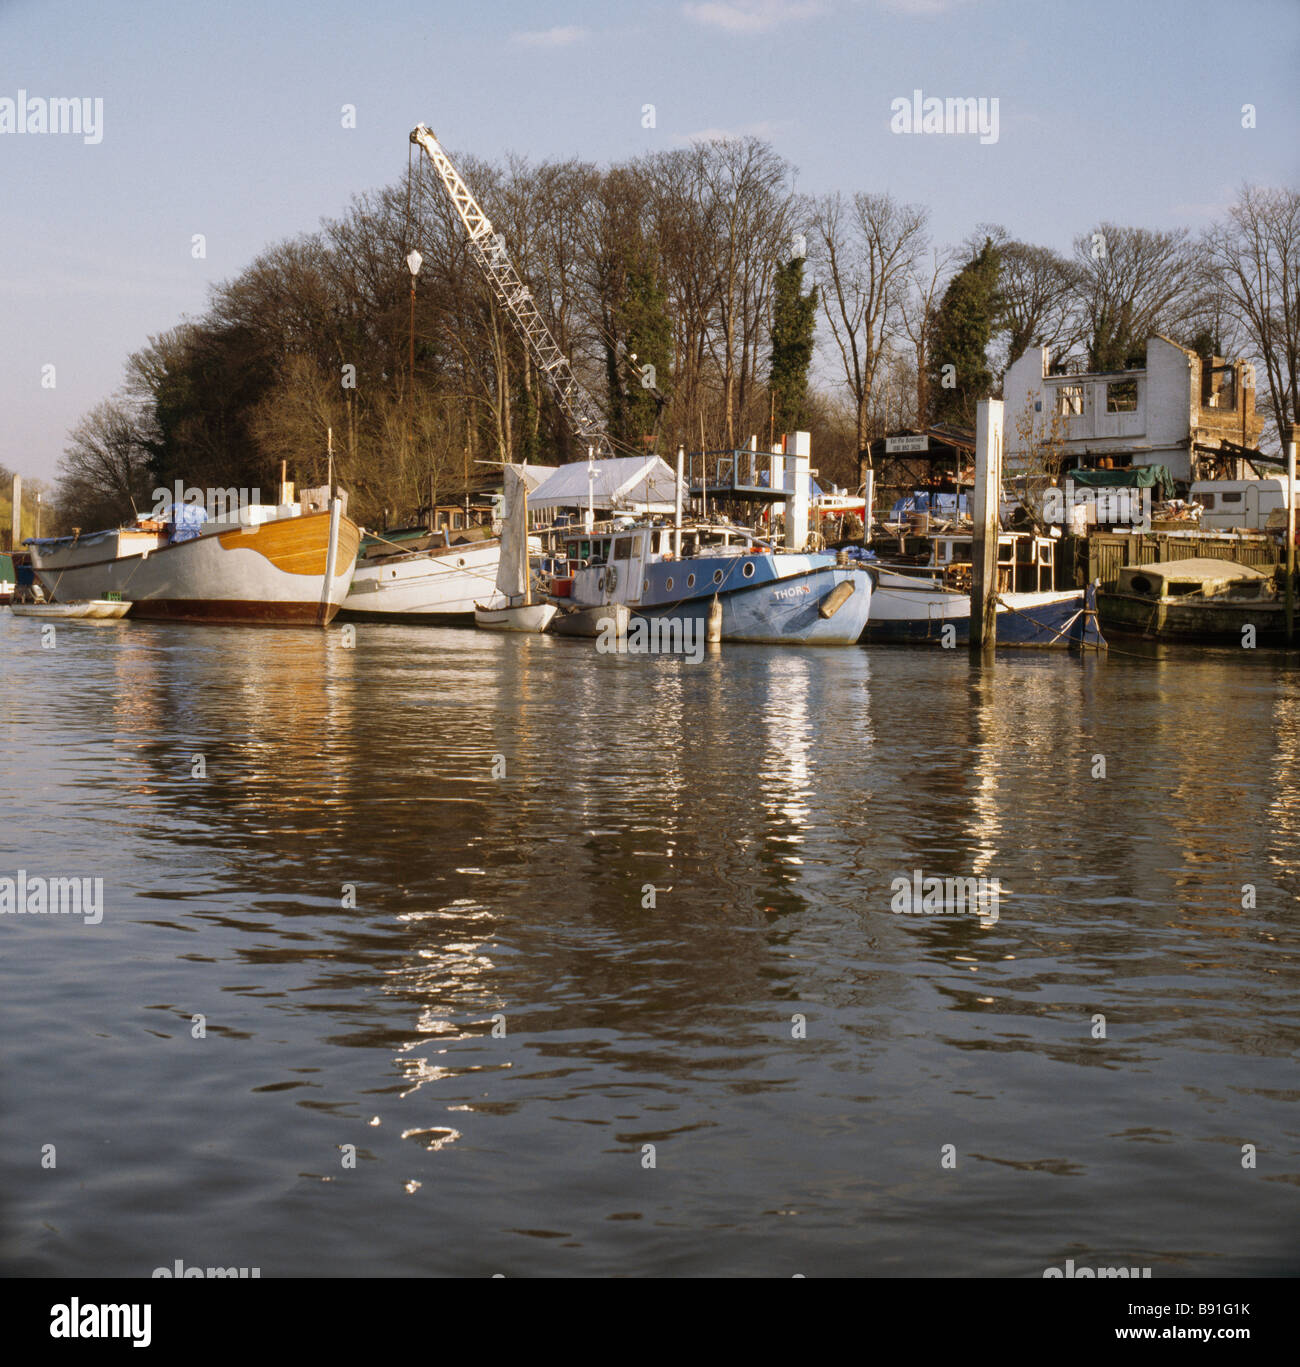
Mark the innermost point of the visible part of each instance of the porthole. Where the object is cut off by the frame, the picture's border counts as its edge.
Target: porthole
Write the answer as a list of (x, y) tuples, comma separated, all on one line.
[(748, 571), (717, 576), (461, 561), (690, 581), (645, 586), (669, 584)]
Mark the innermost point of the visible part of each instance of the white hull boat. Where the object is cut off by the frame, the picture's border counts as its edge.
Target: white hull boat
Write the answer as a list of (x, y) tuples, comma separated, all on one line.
[(280, 566), (437, 586), (529, 617), (512, 608), (94, 609)]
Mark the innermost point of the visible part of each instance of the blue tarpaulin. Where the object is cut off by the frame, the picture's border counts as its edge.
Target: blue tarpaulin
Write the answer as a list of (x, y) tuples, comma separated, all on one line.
[(922, 501), (185, 520)]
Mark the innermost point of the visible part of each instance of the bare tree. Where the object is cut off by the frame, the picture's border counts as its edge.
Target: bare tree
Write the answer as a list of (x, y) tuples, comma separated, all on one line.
[(1039, 290), (865, 250), (1134, 283), (917, 309), (1254, 257), (744, 186), (104, 475)]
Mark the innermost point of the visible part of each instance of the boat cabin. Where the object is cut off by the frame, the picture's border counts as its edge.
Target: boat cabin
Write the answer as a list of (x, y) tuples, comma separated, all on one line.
[(1196, 578), (1026, 562), (595, 564)]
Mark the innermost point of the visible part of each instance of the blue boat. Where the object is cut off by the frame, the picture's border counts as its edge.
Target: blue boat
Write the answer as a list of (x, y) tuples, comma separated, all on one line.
[(907, 609), (709, 572), (931, 603)]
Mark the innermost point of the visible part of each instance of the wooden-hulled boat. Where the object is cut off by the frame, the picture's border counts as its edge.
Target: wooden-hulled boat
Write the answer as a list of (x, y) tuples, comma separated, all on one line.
[(273, 564), (1194, 600)]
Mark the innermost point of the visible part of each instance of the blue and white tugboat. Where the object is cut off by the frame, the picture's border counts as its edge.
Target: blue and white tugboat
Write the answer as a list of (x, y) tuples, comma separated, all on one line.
[(707, 574), (719, 577)]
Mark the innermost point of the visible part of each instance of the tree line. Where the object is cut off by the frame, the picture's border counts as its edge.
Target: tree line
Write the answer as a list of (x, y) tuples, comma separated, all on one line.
[(700, 298)]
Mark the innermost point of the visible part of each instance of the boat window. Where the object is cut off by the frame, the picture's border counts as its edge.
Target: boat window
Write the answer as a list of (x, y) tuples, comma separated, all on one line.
[(1232, 496), (1206, 500), (1122, 396), (1141, 584), (748, 571), (623, 548), (690, 581)]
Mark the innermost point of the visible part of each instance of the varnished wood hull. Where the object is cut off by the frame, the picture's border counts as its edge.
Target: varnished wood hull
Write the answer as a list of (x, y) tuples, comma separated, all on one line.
[(289, 571)]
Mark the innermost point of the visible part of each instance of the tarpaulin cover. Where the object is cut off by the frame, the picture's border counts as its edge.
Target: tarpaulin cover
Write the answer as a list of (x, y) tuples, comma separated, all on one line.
[(640, 482), (185, 520), (1135, 477), (942, 505)]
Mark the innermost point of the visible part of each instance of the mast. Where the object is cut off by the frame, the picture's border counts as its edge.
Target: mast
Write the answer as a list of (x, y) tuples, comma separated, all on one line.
[(528, 578)]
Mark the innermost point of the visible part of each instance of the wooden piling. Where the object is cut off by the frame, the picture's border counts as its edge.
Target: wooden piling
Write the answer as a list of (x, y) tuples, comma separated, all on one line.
[(984, 548), (1290, 533)]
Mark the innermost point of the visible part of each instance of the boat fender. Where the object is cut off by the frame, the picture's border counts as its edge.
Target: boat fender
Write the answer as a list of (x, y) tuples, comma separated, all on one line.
[(713, 624), (836, 598), (610, 579)]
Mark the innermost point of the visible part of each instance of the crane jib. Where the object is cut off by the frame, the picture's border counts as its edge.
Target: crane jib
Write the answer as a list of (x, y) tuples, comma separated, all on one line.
[(516, 298)]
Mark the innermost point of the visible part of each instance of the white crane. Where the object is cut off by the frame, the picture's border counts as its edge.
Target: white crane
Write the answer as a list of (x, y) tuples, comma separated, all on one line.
[(516, 298)]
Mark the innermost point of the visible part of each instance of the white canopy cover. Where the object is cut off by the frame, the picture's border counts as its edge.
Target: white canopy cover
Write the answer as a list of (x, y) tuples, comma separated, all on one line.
[(642, 484)]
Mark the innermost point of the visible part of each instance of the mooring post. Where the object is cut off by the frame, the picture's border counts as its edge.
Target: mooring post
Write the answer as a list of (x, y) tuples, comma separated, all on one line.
[(988, 501), (16, 535), (1290, 532)]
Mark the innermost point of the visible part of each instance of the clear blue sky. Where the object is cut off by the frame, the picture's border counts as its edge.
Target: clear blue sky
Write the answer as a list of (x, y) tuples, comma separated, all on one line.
[(224, 119)]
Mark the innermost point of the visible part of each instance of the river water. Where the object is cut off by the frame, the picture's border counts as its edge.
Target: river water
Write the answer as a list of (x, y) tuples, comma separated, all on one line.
[(622, 992)]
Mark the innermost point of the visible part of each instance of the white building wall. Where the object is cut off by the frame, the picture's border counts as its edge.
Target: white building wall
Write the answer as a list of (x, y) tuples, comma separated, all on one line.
[(1156, 432), (1174, 378)]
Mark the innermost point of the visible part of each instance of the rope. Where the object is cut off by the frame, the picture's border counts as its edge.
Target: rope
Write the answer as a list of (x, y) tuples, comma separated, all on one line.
[(1056, 632), (450, 569)]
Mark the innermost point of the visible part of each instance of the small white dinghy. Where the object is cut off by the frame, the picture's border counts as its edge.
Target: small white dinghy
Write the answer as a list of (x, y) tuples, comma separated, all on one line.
[(512, 608), (93, 609), (521, 617)]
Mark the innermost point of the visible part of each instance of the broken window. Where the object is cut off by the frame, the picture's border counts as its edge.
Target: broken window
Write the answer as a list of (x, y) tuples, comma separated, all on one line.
[(1069, 400), (1218, 386), (1122, 396)]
